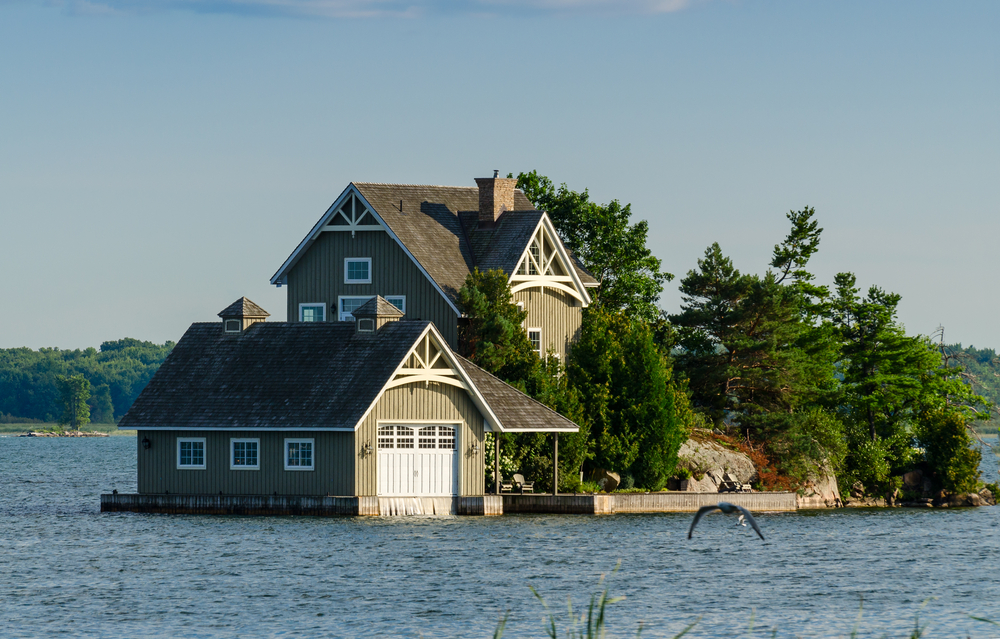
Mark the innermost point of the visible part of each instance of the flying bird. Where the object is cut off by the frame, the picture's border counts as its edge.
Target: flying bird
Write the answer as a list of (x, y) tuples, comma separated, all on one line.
[(728, 509)]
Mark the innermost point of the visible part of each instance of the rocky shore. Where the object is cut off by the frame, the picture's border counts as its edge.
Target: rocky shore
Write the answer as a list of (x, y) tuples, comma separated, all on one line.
[(707, 461), (65, 433)]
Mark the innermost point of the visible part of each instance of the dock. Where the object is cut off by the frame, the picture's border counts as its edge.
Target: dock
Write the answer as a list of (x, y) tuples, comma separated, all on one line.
[(485, 505)]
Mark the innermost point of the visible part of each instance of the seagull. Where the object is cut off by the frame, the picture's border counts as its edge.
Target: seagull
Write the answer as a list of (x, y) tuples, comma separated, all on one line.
[(727, 508)]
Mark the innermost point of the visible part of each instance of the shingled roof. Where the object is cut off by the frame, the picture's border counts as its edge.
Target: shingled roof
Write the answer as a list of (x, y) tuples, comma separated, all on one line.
[(300, 375), (243, 307), (515, 410), (377, 307), (438, 225)]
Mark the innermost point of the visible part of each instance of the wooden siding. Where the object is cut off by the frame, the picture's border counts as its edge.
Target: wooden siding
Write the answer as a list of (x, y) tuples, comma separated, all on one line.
[(557, 314), (333, 474), (319, 277), (435, 403)]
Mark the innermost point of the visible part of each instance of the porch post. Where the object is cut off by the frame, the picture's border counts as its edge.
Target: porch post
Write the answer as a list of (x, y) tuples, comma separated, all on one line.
[(555, 463), (496, 463)]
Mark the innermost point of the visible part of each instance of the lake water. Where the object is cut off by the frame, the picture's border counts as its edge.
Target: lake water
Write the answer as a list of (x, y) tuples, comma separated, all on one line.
[(68, 570)]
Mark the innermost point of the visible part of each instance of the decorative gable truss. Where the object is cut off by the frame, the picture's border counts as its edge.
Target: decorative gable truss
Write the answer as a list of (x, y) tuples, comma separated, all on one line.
[(352, 215), (545, 263), (428, 362)]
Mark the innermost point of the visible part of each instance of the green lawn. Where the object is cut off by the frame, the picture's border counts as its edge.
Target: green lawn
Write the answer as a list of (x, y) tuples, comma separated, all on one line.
[(20, 429)]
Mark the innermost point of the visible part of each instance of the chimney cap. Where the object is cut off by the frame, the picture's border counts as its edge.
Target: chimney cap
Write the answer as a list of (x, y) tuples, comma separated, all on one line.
[(496, 173)]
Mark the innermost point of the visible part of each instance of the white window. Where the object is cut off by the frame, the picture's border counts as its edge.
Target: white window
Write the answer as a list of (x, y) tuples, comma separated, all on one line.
[(395, 437), (232, 326), (311, 312), (299, 454), (350, 304), (358, 270), (244, 454), (535, 337), (191, 453), (399, 301)]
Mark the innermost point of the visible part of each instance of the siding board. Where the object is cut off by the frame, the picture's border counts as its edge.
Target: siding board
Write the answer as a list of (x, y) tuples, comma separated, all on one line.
[(557, 314), (319, 277)]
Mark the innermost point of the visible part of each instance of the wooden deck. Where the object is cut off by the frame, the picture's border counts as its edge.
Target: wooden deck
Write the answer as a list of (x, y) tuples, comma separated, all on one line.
[(599, 504)]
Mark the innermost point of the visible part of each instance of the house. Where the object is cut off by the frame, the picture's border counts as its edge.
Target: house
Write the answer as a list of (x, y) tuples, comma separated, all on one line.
[(415, 245), (377, 407)]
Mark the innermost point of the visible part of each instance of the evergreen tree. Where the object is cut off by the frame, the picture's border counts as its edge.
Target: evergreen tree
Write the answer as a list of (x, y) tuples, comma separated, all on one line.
[(75, 391), (638, 416)]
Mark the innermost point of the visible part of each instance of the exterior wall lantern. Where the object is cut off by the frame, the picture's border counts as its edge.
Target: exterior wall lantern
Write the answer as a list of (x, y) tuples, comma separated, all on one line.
[(475, 448), (366, 450), (146, 443)]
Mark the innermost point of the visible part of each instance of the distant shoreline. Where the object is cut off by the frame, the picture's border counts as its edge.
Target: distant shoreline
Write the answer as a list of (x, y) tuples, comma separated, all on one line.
[(15, 430)]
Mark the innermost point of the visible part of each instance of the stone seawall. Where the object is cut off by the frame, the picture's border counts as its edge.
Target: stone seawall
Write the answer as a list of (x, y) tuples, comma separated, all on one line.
[(599, 504)]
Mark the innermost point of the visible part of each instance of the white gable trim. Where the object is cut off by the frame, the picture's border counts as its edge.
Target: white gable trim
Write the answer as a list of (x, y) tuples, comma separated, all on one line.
[(521, 282), (456, 377), (281, 277)]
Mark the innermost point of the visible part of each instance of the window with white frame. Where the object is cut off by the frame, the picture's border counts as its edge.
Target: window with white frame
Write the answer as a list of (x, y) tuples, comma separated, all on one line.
[(191, 453), (244, 454), (535, 337), (350, 304), (311, 312), (232, 326), (399, 301), (395, 437), (357, 270), (299, 454)]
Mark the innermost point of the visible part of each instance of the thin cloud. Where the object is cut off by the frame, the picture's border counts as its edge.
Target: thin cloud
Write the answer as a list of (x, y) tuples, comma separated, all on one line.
[(370, 8)]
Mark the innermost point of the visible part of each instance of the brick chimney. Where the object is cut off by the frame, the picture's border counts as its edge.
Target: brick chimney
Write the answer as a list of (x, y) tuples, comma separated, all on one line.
[(496, 195)]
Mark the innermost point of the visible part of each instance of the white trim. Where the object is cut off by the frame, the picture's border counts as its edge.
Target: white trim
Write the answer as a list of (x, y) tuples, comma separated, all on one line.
[(521, 285), (348, 260), (313, 305), (531, 281), (299, 440), (225, 325), (204, 454), (341, 314), (539, 329), (281, 276), (491, 422), (232, 452)]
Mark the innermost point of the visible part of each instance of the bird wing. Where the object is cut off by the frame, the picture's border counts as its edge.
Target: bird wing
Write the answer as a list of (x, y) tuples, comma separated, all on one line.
[(701, 513), (752, 521)]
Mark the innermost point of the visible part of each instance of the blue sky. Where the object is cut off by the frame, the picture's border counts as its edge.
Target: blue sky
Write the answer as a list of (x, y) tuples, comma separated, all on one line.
[(158, 159)]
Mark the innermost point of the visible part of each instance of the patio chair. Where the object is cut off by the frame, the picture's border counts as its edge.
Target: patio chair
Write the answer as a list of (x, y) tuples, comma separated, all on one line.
[(506, 486), (524, 485), (729, 484)]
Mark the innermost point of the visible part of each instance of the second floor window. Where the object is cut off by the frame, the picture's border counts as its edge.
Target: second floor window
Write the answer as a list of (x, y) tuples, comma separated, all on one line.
[(535, 337), (358, 270), (312, 312)]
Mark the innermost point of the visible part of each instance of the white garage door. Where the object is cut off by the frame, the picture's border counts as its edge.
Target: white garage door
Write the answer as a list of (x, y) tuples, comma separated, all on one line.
[(417, 459)]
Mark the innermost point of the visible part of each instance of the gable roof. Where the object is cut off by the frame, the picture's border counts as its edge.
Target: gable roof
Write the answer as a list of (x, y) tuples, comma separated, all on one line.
[(437, 226), (296, 376), (243, 307)]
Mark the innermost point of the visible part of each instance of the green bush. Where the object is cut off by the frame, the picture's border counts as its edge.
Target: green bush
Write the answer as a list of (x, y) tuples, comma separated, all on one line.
[(994, 490), (948, 450), (683, 473), (589, 487)]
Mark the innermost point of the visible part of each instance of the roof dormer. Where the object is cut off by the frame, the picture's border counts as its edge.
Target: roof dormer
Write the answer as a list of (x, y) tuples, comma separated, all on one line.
[(241, 315), (374, 314)]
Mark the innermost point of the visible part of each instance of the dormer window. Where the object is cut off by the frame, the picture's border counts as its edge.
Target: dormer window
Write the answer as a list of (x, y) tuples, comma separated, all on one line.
[(366, 325), (232, 326), (358, 270)]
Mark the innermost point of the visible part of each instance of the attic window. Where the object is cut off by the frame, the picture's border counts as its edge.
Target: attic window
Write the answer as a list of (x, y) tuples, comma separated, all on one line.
[(232, 326), (358, 270)]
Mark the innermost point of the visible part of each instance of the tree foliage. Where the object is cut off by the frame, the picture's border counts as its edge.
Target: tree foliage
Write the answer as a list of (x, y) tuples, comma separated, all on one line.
[(117, 372), (603, 238), (638, 416), (74, 391)]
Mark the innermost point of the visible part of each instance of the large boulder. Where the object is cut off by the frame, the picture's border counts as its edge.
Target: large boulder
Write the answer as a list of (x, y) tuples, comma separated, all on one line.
[(819, 490), (708, 460), (607, 480), (913, 481)]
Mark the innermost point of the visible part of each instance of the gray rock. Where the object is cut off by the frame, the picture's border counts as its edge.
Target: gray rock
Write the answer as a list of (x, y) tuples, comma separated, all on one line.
[(913, 480), (710, 460), (858, 490), (820, 491), (607, 480), (987, 497)]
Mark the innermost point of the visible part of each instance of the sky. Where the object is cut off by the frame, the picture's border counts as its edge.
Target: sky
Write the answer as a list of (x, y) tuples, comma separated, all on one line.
[(161, 158)]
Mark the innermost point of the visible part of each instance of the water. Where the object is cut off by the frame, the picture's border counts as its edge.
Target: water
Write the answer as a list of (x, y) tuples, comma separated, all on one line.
[(68, 570)]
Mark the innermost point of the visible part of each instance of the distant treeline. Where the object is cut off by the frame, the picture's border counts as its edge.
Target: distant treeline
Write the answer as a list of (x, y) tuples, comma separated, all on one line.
[(117, 373), (982, 371)]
